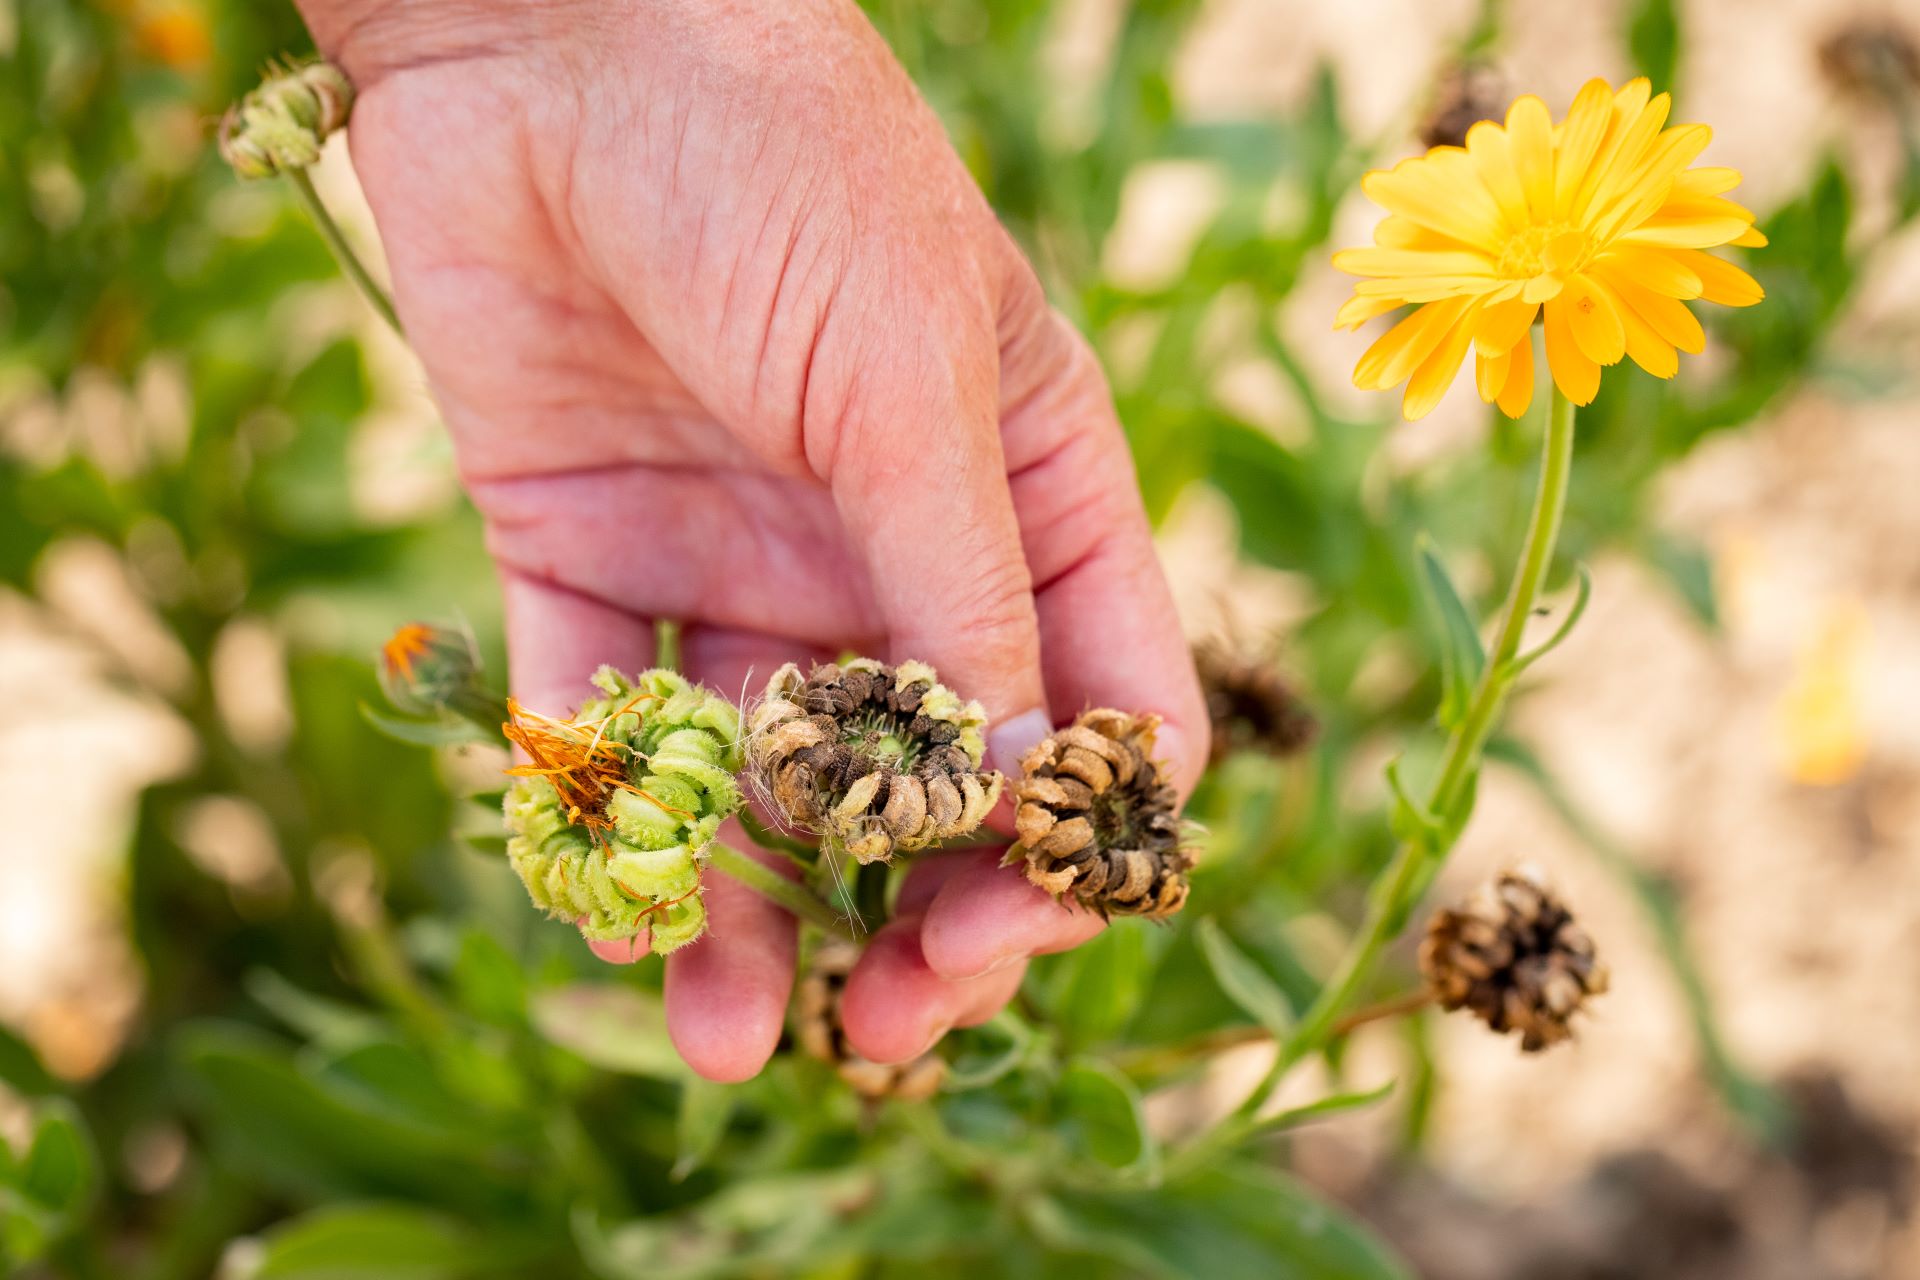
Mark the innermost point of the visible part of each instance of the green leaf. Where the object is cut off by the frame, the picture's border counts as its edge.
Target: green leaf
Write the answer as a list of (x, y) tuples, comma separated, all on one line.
[(1244, 981), (487, 980), (1096, 988), (1583, 593), (367, 1242), (445, 731), (1653, 37), (1232, 1223), (1462, 657), (705, 1108), (58, 1171), (1687, 569), (1332, 1105), (1103, 1117), (616, 1028)]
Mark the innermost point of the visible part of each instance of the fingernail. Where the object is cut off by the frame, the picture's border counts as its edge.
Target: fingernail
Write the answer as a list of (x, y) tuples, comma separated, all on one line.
[(1011, 739), (1004, 962)]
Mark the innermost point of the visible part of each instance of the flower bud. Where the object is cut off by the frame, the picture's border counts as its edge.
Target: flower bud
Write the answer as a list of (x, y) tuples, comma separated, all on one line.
[(872, 758), (281, 124), (1097, 819), (818, 1030), (609, 821)]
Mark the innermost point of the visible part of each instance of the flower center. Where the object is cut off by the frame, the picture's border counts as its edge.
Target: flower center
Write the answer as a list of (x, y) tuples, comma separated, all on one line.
[(880, 736), (1556, 248)]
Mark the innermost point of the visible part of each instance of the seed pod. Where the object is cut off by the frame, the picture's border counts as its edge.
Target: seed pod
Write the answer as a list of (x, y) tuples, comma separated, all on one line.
[(874, 759), (609, 822), (1251, 707), (818, 1030), (1467, 93), (1513, 955), (1096, 818), (1872, 59), (281, 124)]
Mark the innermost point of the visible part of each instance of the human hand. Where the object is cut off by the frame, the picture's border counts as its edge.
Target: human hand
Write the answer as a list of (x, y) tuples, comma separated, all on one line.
[(724, 332)]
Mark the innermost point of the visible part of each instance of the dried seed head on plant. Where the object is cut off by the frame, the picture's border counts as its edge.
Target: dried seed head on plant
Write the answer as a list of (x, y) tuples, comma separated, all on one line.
[(1513, 955), (1466, 94), (818, 1030), (281, 124), (609, 818), (1097, 819), (1874, 59), (1252, 708), (872, 758)]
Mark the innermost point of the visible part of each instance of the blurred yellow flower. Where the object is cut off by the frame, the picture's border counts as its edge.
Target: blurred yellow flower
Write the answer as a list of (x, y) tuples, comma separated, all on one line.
[(1820, 720), (1597, 220)]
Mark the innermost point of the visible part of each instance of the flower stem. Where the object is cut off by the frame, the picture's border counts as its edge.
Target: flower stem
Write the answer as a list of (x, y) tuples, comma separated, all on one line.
[(776, 888), (666, 643), (870, 894), (342, 251), (1414, 861)]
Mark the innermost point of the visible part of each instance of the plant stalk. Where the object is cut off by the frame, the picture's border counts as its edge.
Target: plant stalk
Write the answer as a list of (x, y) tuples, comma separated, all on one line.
[(776, 888), (1413, 860), (342, 251)]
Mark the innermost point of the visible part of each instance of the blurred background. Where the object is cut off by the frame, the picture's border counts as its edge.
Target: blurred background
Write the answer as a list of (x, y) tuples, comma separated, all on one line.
[(268, 1013)]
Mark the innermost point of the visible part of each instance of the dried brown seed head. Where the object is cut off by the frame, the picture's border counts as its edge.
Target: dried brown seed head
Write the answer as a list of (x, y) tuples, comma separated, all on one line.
[(1875, 59), (818, 1031), (1252, 708), (1096, 819), (873, 758), (1513, 954), (1467, 93)]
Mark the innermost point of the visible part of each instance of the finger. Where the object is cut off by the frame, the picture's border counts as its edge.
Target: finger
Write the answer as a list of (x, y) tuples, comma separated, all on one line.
[(619, 950), (921, 483), (1109, 632), (986, 918), (726, 994), (557, 639), (895, 1008)]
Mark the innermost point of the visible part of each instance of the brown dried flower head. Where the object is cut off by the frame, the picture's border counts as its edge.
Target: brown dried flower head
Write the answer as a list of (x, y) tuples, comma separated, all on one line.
[(1874, 59), (1513, 955), (872, 758), (1252, 708), (1467, 93), (1097, 820), (817, 1028)]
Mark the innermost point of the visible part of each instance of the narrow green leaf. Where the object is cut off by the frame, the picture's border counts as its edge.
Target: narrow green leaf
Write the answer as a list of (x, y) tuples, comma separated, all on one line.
[(367, 1242), (1653, 36), (616, 1028), (1244, 981), (1583, 593), (1103, 1116), (58, 1171), (1462, 656), (705, 1108), (1332, 1105)]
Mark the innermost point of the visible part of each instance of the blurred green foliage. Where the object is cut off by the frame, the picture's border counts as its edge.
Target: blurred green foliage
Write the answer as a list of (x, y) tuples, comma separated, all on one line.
[(391, 1068)]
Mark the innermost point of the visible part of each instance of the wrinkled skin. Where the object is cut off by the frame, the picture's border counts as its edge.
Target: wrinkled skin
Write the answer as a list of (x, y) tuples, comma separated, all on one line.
[(724, 332)]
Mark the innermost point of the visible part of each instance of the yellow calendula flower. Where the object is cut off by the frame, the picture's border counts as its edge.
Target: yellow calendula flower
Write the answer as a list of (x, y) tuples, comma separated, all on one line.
[(1597, 221)]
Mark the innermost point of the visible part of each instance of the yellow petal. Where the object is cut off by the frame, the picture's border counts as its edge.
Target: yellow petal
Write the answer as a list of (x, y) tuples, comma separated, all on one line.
[(1518, 393), (1502, 324), (1687, 233), (1721, 281), (1621, 162), (1426, 288), (1594, 323), (1355, 312), (1580, 137), (1645, 347), (1668, 317), (1530, 135), (1428, 190), (1490, 374), (1708, 180), (1753, 238), (1657, 269), (1492, 153), (1401, 349), (1394, 263), (1396, 232), (1577, 377), (1542, 288), (1436, 373), (1651, 182)]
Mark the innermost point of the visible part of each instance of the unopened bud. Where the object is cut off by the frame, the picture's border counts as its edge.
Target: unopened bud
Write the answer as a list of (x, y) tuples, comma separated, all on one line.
[(281, 124)]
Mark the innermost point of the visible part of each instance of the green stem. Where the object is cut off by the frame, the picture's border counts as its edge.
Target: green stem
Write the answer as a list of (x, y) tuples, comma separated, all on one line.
[(1414, 861), (778, 842), (666, 643), (342, 251), (870, 894), (776, 888)]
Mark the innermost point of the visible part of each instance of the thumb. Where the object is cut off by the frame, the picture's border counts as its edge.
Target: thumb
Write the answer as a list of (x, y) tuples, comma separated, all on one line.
[(918, 475)]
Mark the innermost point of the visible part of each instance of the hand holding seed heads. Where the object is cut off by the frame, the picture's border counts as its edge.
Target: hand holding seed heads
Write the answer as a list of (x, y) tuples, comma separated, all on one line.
[(724, 332)]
